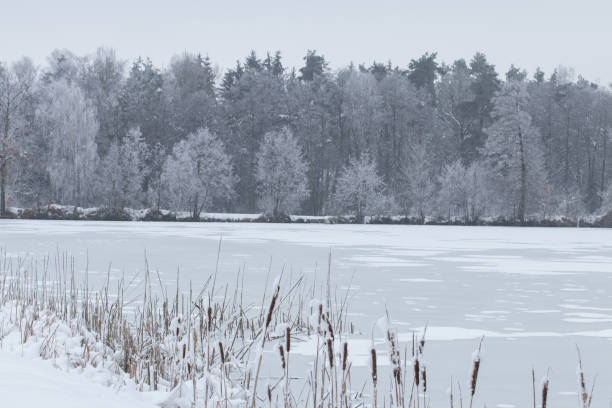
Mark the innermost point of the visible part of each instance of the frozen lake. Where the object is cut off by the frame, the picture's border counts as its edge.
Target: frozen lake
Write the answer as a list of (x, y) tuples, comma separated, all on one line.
[(534, 292)]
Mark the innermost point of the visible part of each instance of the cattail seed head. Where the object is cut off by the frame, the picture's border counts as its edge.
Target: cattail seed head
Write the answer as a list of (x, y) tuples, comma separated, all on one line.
[(272, 304), (474, 377), (374, 368), (344, 356), (330, 352), (416, 372), (544, 393), (288, 339), (330, 328), (281, 351), (209, 318), (221, 353), (397, 376)]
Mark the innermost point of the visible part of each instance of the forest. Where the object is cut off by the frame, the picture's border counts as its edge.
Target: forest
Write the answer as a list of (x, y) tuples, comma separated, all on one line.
[(456, 141)]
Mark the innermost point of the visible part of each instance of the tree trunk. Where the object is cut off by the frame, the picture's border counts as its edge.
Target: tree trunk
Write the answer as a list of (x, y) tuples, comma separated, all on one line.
[(602, 187), (195, 214), (3, 177), (523, 199)]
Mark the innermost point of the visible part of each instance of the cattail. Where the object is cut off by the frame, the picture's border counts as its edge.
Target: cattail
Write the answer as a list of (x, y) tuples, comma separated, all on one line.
[(209, 318), (374, 369), (424, 375), (221, 353), (416, 371), (281, 351), (397, 376), (583, 391), (288, 339), (184, 349), (272, 304), (422, 341), (330, 352), (475, 368), (474, 377), (544, 392), (320, 316), (374, 376), (330, 328), (344, 356)]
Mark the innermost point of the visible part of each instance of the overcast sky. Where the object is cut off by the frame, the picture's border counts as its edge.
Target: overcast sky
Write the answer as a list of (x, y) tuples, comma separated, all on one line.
[(547, 33)]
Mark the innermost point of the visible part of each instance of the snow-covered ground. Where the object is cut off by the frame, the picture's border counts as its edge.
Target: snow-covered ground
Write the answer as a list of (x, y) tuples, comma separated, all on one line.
[(534, 292), (28, 381)]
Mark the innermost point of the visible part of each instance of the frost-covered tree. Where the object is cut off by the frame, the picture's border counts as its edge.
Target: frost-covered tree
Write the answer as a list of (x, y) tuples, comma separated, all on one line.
[(121, 172), (513, 151), (190, 91), (419, 183), (253, 102), (155, 158), (102, 80), (16, 83), (606, 200), (198, 173), (360, 190), (69, 125), (463, 191), (281, 173)]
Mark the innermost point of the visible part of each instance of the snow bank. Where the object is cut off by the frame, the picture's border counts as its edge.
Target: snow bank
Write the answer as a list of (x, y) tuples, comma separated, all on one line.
[(31, 382)]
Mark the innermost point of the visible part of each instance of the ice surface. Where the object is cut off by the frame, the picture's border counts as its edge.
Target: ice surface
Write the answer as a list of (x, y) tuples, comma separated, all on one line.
[(533, 292)]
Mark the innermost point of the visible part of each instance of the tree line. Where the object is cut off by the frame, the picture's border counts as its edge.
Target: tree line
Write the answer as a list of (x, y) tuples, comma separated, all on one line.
[(457, 141)]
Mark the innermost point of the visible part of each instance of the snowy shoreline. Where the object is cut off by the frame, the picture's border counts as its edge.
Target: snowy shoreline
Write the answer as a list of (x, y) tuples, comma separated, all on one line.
[(67, 213)]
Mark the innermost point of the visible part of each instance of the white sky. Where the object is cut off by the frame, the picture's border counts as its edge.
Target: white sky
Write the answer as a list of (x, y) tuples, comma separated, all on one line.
[(575, 33)]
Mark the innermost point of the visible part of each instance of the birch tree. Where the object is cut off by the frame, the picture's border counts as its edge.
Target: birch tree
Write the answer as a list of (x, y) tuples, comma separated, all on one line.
[(70, 127)]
